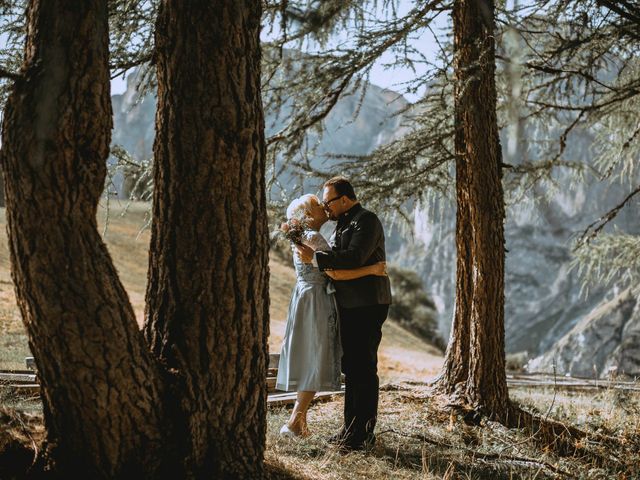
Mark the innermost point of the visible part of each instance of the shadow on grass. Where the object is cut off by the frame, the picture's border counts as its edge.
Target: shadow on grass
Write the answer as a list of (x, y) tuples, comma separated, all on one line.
[(597, 449), (20, 434), (277, 471), (450, 463)]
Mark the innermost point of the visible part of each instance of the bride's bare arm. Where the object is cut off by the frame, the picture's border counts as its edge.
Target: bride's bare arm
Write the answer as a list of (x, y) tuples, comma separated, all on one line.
[(379, 269)]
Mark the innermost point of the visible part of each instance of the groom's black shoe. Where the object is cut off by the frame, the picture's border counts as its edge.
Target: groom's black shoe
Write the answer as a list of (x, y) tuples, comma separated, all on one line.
[(353, 445), (338, 438)]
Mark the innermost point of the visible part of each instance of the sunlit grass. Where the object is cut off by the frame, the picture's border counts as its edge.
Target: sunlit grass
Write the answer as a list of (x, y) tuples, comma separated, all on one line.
[(418, 439)]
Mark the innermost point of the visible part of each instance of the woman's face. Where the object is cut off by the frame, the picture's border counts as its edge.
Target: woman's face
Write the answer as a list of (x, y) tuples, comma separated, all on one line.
[(316, 212)]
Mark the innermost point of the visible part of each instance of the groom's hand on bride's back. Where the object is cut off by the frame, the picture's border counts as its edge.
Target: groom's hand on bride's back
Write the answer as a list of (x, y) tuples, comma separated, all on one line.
[(305, 253)]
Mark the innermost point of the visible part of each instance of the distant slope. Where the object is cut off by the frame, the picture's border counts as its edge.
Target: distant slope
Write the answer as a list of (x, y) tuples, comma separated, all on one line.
[(403, 356), (605, 342)]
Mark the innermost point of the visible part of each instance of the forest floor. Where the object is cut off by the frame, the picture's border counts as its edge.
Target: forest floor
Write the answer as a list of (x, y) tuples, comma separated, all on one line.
[(418, 436)]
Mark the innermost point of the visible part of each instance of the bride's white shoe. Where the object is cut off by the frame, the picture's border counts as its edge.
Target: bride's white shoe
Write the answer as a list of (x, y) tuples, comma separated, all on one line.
[(285, 431)]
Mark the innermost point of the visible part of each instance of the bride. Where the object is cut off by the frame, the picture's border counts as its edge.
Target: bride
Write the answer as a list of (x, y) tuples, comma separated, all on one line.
[(310, 354)]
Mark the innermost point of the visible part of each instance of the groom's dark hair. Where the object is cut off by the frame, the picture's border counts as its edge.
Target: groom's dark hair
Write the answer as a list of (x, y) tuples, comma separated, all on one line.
[(342, 186)]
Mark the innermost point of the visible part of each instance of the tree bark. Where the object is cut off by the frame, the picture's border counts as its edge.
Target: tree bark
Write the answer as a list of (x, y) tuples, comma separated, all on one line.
[(207, 294), (2, 204), (100, 385), (474, 369)]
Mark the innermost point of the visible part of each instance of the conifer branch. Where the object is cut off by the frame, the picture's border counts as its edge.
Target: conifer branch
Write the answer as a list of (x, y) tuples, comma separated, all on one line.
[(353, 63), (10, 75), (631, 13), (588, 234), (122, 67)]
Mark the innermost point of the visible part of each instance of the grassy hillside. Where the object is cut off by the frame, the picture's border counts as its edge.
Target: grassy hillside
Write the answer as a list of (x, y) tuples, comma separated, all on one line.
[(403, 356)]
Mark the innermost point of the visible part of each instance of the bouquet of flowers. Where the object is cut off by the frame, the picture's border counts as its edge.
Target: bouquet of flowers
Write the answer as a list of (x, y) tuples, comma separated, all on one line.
[(293, 230)]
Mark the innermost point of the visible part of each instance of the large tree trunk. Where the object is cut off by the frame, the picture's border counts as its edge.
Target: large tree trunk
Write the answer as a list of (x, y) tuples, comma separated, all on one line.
[(100, 387), (474, 369), (207, 295), (1, 186)]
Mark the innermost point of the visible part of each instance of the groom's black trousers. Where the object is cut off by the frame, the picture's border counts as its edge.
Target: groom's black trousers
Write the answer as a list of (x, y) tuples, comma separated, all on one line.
[(360, 333)]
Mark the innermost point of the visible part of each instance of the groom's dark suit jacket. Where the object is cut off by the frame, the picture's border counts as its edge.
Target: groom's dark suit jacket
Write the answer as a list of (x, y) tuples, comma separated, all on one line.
[(358, 241)]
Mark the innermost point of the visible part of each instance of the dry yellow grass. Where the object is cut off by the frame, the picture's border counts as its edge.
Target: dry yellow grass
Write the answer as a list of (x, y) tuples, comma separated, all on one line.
[(418, 439)]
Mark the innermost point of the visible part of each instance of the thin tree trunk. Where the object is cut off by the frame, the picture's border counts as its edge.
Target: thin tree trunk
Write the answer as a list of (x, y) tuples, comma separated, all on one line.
[(100, 387), (207, 295), (456, 365), (474, 366)]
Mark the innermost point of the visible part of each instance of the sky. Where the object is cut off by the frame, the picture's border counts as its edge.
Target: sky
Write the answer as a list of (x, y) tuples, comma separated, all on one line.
[(390, 79)]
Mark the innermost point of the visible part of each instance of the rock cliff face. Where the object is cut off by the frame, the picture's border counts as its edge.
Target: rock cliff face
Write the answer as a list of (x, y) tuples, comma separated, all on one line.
[(345, 133), (544, 294), (134, 121), (604, 342), (543, 301)]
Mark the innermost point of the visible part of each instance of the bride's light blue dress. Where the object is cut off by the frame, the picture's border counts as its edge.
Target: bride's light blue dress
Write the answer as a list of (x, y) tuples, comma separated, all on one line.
[(310, 355)]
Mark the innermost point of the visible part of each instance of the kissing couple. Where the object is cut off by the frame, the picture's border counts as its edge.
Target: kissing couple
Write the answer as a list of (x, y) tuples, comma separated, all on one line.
[(339, 303)]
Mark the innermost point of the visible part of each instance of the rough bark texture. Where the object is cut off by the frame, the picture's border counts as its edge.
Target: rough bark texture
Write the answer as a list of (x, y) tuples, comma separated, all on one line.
[(474, 369), (1, 186), (100, 388), (207, 295)]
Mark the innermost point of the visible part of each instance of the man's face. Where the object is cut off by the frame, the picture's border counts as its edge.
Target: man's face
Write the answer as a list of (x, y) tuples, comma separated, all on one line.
[(332, 202), (317, 211)]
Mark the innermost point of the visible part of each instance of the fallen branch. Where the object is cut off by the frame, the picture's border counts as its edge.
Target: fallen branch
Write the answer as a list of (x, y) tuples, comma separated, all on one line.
[(483, 456)]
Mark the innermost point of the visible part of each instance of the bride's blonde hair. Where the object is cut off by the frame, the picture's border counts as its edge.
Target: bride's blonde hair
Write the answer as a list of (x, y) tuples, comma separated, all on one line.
[(300, 206)]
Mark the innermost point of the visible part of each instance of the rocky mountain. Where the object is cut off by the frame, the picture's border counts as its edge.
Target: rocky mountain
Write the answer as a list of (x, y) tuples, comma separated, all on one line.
[(544, 305), (543, 295), (605, 342), (345, 132), (133, 121)]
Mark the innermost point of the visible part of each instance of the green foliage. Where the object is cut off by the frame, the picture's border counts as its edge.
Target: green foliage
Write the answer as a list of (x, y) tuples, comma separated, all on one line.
[(412, 308), (137, 175), (137, 183), (131, 32), (131, 40), (13, 30), (609, 258), (302, 87)]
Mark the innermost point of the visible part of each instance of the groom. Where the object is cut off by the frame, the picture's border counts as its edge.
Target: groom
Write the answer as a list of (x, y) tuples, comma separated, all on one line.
[(363, 306)]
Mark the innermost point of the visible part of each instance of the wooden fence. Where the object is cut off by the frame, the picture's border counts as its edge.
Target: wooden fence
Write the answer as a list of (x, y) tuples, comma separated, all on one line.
[(25, 384)]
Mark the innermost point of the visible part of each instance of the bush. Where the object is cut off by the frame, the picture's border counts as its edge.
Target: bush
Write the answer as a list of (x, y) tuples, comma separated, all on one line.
[(517, 361), (412, 308)]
